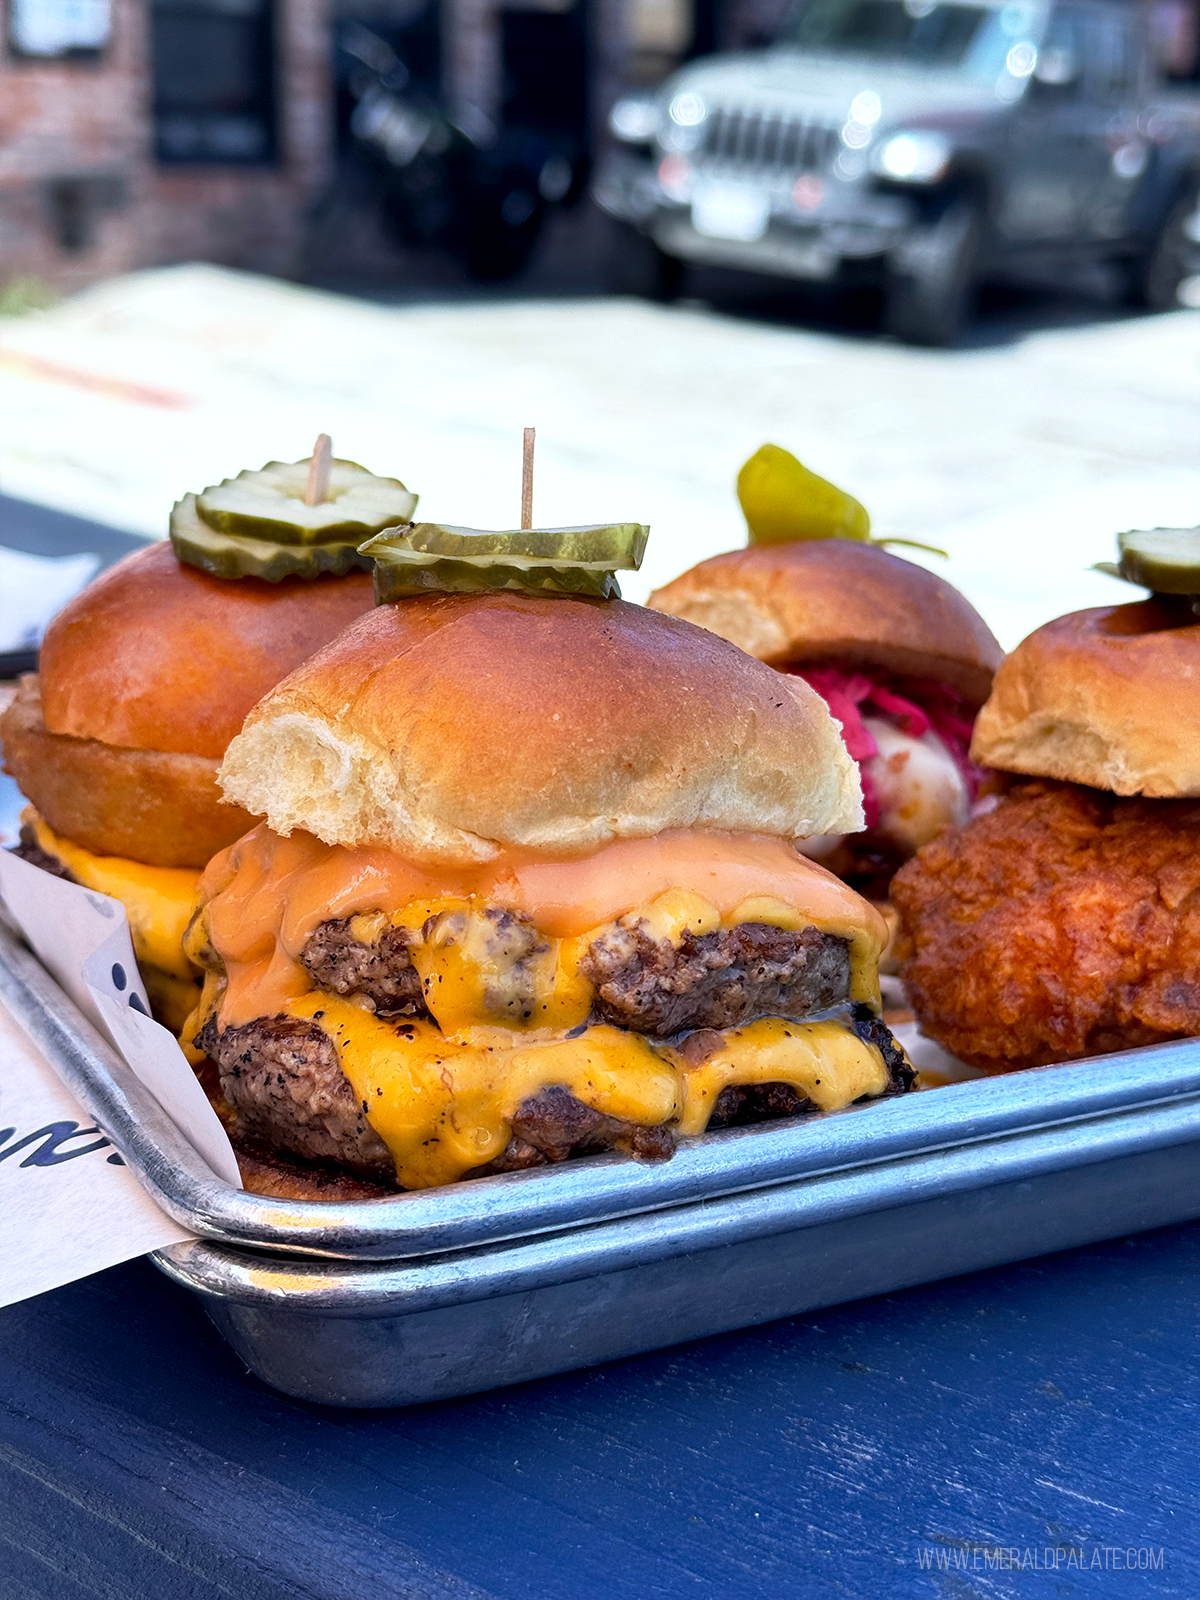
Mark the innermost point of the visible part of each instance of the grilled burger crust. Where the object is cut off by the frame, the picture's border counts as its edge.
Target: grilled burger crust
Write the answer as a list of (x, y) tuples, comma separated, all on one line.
[(298, 1125), (714, 980), (283, 1079), (648, 985)]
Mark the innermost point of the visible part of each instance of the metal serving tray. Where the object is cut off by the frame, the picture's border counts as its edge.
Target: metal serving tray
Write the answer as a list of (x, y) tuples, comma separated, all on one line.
[(451, 1291)]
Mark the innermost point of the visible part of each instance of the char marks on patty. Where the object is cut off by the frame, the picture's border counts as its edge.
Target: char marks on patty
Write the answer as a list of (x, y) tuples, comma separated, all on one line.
[(647, 985), (740, 1104), (283, 1078), (502, 944), (381, 971), (554, 1124), (714, 980), (874, 1030)]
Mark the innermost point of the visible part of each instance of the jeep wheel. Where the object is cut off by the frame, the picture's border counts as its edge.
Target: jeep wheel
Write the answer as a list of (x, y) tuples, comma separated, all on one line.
[(930, 288), (1173, 257), (636, 265)]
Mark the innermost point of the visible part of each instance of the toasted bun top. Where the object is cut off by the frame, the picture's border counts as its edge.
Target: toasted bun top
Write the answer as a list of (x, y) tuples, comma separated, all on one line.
[(156, 655), (451, 727), (1108, 697), (837, 599)]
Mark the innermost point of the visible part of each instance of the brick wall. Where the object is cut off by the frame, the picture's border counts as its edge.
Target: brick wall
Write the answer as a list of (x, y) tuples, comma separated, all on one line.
[(81, 196)]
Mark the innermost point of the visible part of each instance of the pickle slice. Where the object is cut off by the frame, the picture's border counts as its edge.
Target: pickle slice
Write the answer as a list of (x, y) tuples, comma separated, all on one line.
[(1164, 560), (431, 556), (231, 555), (397, 581), (269, 504)]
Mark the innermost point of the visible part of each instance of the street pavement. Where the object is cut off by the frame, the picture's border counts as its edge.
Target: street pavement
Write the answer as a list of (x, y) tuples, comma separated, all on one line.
[(1021, 457)]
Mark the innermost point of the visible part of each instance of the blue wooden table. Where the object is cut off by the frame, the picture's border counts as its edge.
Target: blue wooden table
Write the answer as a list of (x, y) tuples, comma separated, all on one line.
[(918, 1444), (938, 1442)]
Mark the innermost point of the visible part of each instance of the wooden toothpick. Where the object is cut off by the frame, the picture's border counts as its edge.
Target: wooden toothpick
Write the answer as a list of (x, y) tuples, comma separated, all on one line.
[(317, 490), (527, 479)]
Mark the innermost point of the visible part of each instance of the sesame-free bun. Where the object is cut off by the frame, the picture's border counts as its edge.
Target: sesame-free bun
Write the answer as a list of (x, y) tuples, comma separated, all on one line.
[(1108, 697), (452, 727), (156, 655), (839, 600)]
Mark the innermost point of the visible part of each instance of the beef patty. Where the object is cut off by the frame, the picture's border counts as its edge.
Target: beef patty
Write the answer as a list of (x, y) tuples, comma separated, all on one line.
[(503, 943), (383, 971), (283, 1078), (711, 980), (714, 980), (554, 1124)]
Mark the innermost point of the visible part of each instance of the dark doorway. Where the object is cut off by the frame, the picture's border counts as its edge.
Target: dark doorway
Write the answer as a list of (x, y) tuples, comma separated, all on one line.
[(545, 73), (213, 72)]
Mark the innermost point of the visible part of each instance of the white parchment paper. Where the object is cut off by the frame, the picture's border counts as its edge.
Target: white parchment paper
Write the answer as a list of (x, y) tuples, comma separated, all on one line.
[(68, 1204)]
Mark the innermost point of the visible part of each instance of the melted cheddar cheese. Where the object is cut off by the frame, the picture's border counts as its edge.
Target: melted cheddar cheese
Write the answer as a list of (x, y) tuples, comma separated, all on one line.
[(443, 1105), (159, 900), (506, 992), (824, 1061)]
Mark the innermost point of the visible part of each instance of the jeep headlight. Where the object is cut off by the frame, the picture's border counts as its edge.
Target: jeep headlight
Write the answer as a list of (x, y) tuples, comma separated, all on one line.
[(634, 120), (918, 157)]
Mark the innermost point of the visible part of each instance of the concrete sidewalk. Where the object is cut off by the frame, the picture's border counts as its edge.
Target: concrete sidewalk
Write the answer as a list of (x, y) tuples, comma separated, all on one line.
[(1021, 460)]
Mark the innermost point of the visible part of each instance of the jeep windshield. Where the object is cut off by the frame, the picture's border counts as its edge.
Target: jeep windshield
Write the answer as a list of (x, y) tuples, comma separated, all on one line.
[(919, 33)]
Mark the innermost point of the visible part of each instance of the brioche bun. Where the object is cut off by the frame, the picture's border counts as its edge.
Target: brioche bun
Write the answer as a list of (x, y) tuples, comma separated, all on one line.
[(838, 600), (1108, 697), (158, 807), (451, 727), (156, 655)]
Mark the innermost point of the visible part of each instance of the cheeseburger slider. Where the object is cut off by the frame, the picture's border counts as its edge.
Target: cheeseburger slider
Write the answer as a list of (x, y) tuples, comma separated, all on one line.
[(146, 676), (1066, 921), (526, 888), (902, 660)]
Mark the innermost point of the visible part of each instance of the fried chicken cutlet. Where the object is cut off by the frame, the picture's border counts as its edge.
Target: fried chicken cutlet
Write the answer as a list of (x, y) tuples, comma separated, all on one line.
[(1064, 923)]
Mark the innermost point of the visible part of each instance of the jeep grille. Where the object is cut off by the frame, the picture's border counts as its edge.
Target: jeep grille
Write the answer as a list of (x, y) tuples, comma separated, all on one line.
[(769, 141)]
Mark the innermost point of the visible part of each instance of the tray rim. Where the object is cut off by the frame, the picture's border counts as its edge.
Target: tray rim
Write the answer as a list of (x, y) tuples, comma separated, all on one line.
[(403, 1287), (591, 1191)]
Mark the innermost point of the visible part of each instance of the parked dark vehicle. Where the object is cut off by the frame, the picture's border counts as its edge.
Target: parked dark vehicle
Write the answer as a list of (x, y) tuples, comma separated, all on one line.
[(478, 191), (921, 144)]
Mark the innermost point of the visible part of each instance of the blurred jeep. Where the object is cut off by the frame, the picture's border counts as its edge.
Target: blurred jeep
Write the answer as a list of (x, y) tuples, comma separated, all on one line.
[(923, 144)]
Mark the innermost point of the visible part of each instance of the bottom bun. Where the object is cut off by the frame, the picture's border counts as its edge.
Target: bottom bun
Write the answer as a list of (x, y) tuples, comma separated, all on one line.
[(266, 1173)]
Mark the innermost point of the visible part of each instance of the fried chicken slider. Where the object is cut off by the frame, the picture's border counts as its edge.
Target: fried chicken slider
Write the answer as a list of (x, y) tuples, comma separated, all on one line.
[(526, 888), (900, 657), (1066, 922)]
